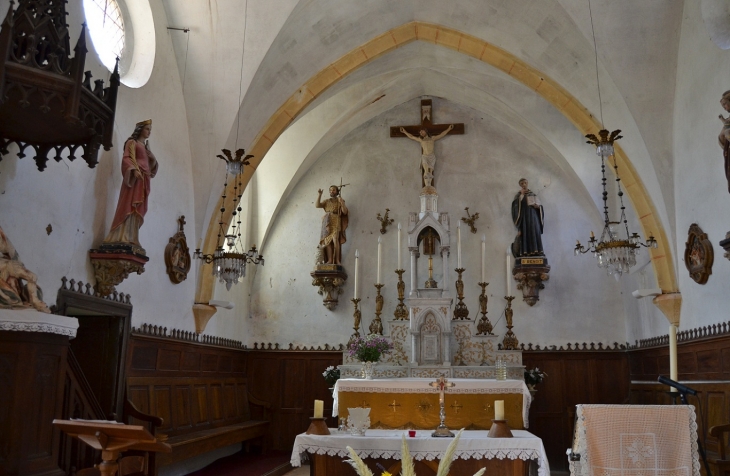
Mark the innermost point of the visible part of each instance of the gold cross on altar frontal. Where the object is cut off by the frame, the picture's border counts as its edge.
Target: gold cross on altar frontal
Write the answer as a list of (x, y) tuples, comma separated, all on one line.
[(442, 384)]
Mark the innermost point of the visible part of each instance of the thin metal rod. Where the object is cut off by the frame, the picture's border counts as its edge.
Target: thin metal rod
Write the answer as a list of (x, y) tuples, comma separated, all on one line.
[(178, 29), (595, 51)]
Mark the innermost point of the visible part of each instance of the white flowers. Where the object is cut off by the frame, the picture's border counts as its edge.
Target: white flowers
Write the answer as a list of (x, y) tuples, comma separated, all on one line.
[(328, 370)]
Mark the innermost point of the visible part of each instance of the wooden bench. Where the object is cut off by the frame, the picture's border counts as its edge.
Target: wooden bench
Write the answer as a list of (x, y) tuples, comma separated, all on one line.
[(198, 414)]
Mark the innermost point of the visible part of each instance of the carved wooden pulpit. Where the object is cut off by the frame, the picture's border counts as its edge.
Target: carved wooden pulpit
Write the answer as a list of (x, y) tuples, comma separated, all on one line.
[(111, 439)]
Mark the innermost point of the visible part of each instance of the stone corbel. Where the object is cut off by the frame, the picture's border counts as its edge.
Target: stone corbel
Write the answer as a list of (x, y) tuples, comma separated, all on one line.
[(330, 284), (530, 281), (202, 314)]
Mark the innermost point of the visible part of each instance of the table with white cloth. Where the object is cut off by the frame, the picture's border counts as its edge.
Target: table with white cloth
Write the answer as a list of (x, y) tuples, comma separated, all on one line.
[(502, 456), (401, 403)]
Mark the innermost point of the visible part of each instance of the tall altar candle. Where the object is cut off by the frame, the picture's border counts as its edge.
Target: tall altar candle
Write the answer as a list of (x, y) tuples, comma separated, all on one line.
[(380, 246), (318, 408), (499, 409), (509, 271), (484, 262), (458, 244), (399, 261), (357, 269)]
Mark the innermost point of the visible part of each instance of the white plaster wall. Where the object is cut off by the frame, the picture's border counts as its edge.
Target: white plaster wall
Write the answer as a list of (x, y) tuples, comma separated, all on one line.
[(701, 188), (479, 170), (79, 202)]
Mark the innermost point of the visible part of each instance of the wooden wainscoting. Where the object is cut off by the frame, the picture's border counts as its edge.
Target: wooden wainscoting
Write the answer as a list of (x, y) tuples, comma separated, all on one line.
[(574, 377), (703, 364), (291, 380)]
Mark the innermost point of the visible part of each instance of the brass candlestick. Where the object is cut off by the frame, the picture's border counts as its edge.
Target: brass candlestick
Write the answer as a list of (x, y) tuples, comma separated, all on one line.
[(431, 283), (401, 313), (510, 341), (460, 311), (376, 327), (484, 327), (357, 317)]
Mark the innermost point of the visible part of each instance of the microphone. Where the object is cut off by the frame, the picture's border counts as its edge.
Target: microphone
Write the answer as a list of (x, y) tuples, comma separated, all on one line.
[(677, 385)]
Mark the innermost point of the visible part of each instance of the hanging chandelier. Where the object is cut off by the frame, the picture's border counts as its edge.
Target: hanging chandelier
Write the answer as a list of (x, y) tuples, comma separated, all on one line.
[(617, 255), (229, 265)]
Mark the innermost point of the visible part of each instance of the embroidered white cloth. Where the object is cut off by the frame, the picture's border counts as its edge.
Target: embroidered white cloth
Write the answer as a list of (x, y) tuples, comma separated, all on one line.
[(635, 440), (420, 385), (387, 444)]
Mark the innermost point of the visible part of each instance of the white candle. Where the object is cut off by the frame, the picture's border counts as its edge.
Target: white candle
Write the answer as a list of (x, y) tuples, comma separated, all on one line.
[(509, 272), (380, 246), (318, 408), (499, 410), (357, 269), (458, 245), (399, 261), (484, 262)]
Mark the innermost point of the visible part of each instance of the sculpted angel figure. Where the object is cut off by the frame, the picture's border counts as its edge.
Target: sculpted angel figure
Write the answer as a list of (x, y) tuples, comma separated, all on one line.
[(428, 158), (334, 224)]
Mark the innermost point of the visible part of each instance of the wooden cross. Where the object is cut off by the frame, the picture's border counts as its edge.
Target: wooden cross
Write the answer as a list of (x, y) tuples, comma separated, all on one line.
[(393, 405), (442, 384), (426, 118)]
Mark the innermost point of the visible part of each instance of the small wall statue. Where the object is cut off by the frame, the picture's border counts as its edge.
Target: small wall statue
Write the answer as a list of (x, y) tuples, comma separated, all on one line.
[(121, 253), (18, 288), (724, 137), (328, 274), (531, 266)]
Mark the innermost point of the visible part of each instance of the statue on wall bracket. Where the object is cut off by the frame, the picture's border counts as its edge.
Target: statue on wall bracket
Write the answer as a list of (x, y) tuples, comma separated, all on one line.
[(121, 253), (329, 274), (18, 288), (724, 139), (177, 255), (531, 268)]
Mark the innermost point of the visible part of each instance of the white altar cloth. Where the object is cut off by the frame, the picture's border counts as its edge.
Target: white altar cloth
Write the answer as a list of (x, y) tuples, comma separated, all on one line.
[(387, 444), (420, 385)]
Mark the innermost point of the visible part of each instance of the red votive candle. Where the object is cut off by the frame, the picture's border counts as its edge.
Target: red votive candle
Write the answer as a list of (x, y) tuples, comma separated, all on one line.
[(412, 433)]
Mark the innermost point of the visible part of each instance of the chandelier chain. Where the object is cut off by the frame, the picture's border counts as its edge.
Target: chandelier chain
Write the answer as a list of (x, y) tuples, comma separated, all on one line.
[(595, 52)]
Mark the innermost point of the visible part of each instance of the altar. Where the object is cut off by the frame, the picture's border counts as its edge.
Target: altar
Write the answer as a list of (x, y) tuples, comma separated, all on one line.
[(411, 403), (504, 456)]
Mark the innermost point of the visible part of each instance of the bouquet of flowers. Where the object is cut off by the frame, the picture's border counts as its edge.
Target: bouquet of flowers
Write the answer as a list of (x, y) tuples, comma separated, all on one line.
[(331, 375), (534, 376), (369, 348)]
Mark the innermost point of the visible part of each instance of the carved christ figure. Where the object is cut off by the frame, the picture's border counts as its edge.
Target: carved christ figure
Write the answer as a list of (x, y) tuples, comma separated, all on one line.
[(428, 158), (724, 137), (334, 224)]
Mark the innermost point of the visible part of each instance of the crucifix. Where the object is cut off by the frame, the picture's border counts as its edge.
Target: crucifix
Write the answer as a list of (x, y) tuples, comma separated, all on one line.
[(442, 384), (426, 133)]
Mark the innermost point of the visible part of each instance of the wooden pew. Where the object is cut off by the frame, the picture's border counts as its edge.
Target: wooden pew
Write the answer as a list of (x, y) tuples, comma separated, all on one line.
[(199, 414)]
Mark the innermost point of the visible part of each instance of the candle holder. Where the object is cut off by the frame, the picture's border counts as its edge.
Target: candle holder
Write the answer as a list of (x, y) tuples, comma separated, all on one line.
[(442, 431), (401, 313), (318, 426), (376, 327), (357, 316), (510, 341), (500, 429), (484, 327), (460, 311)]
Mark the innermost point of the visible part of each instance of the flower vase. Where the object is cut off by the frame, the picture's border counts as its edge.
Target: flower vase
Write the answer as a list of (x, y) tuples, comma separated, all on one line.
[(532, 389), (367, 370)]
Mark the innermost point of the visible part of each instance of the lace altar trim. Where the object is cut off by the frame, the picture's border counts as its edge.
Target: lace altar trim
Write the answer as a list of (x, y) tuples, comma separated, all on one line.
[(37, 327), (451, 390), (502, 453)]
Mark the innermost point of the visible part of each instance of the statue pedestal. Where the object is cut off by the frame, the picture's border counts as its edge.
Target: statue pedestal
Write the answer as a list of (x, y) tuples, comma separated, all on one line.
[(329, 278), (726, 245), (530, 273), (113, 262)]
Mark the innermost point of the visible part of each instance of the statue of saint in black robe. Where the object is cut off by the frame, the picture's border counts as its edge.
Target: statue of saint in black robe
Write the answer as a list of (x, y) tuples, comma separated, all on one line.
[(528, 217)]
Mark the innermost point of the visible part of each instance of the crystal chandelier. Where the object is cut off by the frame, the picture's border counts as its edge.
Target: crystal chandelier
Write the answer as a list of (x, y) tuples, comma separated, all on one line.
[(229, 265), (615, 254)]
